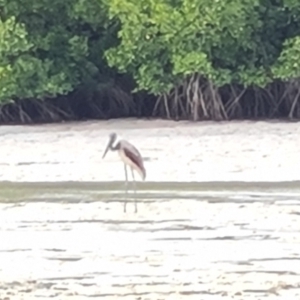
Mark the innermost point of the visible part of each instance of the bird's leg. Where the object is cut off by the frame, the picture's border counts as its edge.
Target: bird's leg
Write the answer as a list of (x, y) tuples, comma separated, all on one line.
[(126, 186), (134, 187)]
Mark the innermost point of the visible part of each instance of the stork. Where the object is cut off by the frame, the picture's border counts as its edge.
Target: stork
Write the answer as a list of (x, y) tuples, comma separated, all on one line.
[(130, 156)]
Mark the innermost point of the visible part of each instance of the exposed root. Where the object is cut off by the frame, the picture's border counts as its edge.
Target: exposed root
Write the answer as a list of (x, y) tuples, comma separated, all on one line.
[(233, 107), (195, 99), (100, 103), (292, 99)]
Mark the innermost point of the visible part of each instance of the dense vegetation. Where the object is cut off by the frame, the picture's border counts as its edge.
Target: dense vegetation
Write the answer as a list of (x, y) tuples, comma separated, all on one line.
[(191, 59)]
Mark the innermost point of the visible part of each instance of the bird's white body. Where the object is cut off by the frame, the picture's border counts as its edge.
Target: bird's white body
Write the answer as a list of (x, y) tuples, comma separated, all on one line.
[(129, 162), (130, 156), (124, 145)]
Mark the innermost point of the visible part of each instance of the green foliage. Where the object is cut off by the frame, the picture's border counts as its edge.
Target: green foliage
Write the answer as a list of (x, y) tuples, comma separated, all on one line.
[(45, 46), (229, 41), (13, 44), (48, 49), (288, 64)]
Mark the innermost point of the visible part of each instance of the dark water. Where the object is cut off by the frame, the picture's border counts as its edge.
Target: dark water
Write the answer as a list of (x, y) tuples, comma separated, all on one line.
[(187, 241)]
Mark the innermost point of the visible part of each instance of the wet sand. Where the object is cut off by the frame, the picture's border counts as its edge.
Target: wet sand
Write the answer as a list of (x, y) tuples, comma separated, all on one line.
[(173, 151), (237, 243), (228, 229)]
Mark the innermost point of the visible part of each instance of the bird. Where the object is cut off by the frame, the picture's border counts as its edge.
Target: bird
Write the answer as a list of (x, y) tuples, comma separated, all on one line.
[(130, 156)]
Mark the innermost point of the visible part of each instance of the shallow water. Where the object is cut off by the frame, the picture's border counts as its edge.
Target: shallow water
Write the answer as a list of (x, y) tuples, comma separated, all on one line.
[(187, 241), (218, 214)]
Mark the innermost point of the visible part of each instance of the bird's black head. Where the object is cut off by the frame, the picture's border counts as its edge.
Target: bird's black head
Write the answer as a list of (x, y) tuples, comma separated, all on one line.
[(112, 139)]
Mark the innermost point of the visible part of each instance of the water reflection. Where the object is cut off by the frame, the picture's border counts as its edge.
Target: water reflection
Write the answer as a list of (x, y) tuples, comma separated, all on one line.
[(226, 241)]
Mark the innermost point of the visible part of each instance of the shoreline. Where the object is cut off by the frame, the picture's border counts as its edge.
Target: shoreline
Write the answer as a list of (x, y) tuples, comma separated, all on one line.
[(173, 151)]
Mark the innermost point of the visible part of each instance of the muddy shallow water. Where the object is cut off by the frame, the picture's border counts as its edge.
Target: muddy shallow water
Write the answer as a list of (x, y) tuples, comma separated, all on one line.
[(218, 215), (195, 241)]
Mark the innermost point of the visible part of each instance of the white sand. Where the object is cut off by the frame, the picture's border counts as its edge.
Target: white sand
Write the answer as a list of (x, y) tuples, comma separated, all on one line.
[(173, 151)]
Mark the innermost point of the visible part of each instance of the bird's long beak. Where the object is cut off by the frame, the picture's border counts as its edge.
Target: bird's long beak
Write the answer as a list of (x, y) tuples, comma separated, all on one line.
[(107, 148)]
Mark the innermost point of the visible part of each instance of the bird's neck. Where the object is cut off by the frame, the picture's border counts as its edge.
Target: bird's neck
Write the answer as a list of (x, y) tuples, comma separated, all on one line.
[(115, 146)]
